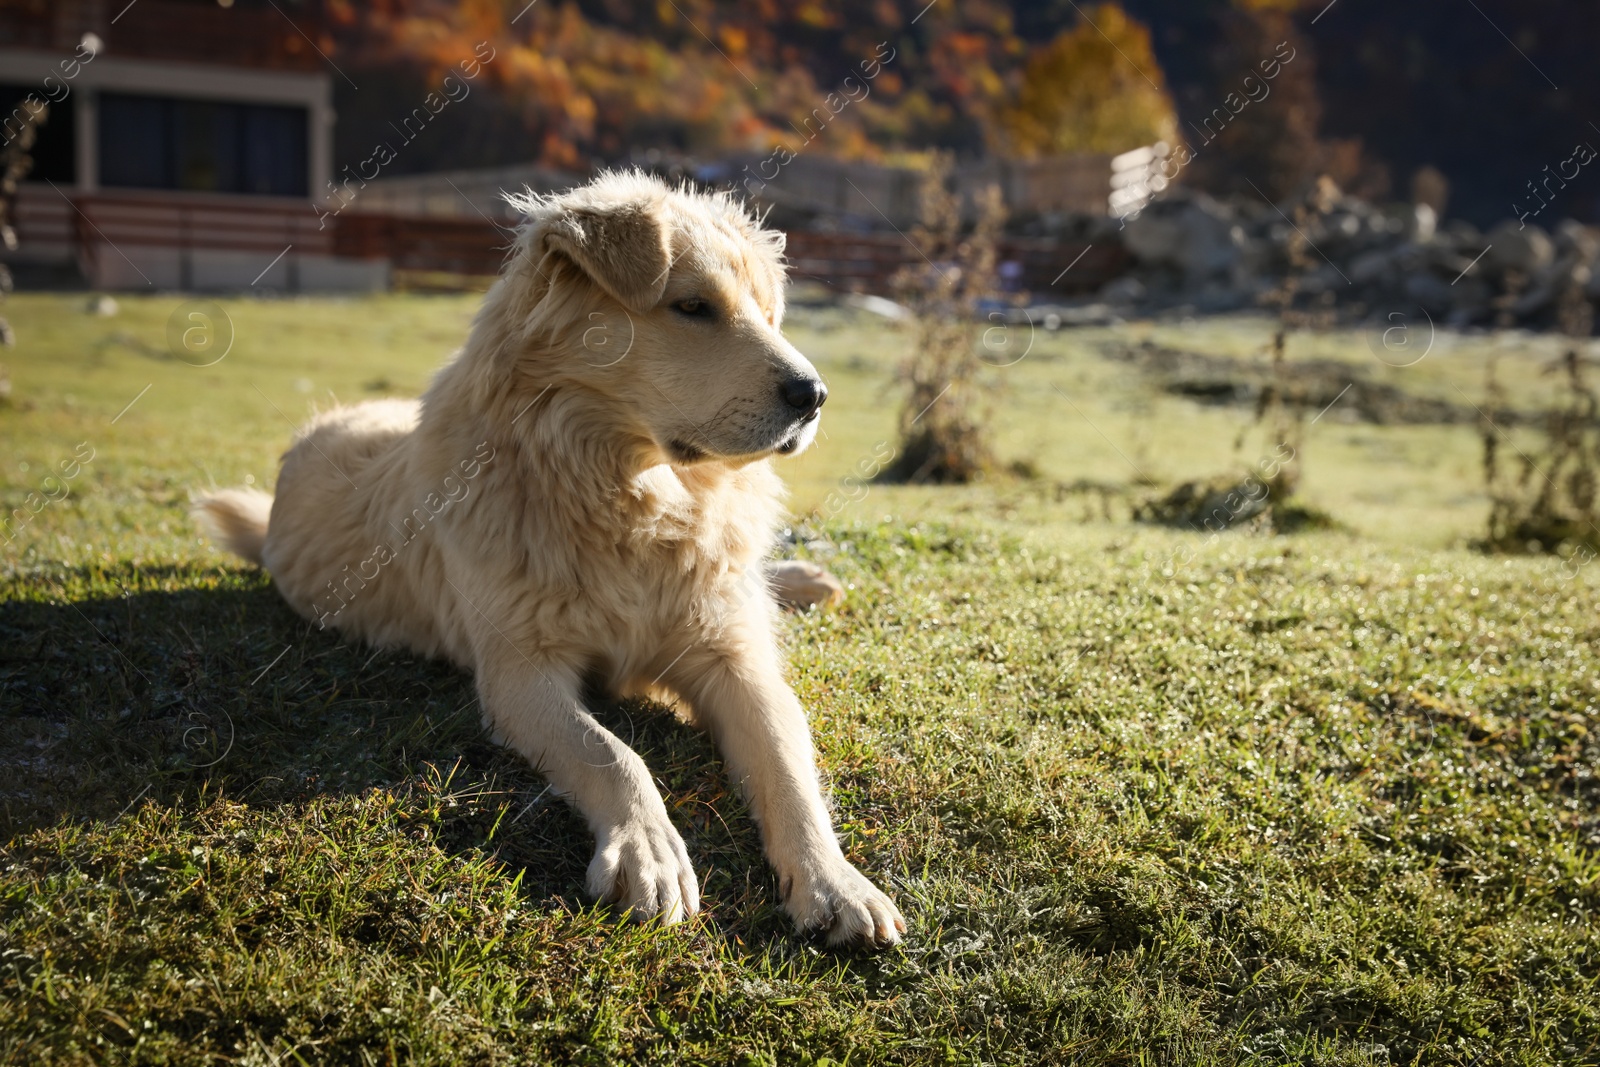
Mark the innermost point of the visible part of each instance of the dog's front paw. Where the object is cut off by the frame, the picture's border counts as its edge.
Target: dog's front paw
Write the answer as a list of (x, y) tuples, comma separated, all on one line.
[(800, 585), (835, 898), (644, 867)]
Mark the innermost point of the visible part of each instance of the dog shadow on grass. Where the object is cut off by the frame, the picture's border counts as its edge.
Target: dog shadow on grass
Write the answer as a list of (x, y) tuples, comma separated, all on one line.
[(183, 689)]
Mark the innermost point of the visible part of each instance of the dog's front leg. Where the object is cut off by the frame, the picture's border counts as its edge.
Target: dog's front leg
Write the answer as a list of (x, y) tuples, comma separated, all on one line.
[(639, 859), (758, 724)]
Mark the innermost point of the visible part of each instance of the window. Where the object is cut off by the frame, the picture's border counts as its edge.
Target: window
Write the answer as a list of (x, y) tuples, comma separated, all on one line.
[(152, 142)]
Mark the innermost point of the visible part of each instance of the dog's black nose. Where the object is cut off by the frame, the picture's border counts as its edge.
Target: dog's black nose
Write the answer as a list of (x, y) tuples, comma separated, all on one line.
[(804, 394)]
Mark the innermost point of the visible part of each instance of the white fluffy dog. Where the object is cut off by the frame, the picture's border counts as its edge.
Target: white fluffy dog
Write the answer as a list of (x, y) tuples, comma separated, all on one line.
[(585, 494)]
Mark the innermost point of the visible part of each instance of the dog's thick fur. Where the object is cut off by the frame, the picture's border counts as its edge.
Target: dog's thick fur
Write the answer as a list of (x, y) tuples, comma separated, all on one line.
[(584, 495)]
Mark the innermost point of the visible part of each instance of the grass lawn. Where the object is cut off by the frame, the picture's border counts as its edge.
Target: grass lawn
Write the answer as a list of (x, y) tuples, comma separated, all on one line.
[(1144, 797)]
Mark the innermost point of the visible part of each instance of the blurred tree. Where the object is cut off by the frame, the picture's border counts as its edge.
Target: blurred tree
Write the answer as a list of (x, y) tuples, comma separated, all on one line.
[(1258, 128), (1270, 145), (1096, 88)]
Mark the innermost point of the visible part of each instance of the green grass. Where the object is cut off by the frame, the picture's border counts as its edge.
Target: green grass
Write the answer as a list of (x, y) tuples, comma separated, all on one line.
[(1145, 797)]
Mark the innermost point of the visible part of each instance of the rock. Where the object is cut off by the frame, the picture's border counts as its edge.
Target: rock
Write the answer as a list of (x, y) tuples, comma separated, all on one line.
[(1123, 291), (1155, 238), (1513, 247), (1324, 278), (1469, 299), (1429, 290), (1553, 282), (1195, 235), (1256, 256), (1375, 266), (1444, 258), (1346, 224), (1396, 222), (1190, 250), (1574, 239)]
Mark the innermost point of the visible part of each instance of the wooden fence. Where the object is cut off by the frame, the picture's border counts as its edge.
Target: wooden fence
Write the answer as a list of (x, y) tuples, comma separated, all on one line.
[(234, 224), (867, 262), (468, 247), (133, 240), (836, 188), (129, 240), (842, 262)]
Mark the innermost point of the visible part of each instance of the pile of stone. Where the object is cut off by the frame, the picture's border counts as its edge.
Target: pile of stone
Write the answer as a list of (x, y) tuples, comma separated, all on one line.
[(1192, 250)]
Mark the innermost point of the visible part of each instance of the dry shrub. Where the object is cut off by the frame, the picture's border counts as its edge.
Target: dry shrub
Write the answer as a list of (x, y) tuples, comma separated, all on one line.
[(1547, 502), (16, 160), (943, 438), (1263, 497), (1282, 404)]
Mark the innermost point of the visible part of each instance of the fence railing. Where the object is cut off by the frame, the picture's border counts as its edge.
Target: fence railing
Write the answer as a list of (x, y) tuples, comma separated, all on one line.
[(868, 262), (112, 234)]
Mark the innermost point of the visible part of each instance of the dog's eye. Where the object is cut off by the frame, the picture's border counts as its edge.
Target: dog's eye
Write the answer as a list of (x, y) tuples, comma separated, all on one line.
[(694, 307)]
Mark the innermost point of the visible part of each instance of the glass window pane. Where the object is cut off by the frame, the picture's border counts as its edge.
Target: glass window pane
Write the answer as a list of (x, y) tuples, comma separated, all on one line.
[(274, 151), (155, 143), (136, 143)]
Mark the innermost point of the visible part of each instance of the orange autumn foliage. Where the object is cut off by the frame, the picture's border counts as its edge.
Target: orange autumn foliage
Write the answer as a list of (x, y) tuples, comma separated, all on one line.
[(575, 83), (1096, 88)]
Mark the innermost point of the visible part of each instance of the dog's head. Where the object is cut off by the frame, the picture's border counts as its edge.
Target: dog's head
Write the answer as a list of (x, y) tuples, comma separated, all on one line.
[(666, 303)]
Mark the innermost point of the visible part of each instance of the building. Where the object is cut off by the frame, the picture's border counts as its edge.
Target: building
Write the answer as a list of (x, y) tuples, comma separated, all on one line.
[(185, 146), (189, 146)]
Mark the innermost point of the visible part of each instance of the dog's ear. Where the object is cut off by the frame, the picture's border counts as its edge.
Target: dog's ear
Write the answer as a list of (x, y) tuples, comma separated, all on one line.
[(624, 249)]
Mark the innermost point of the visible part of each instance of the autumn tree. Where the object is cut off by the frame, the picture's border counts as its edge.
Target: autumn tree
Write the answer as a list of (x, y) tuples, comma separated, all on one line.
[(573, 83), (1096, 88)]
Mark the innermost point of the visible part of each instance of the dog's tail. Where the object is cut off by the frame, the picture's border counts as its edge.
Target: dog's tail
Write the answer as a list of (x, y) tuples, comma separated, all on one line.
[(237, 518)]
